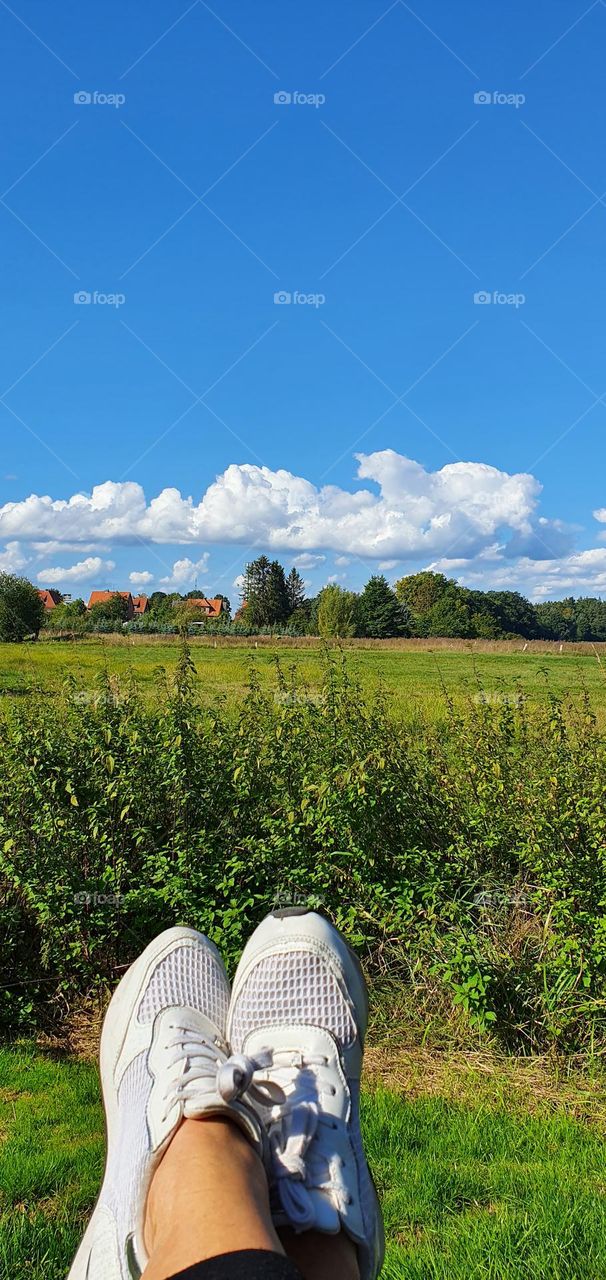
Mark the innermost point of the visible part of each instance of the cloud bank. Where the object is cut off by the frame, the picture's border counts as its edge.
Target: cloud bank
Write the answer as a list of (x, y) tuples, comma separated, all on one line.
[(414, 513), (468, 519)]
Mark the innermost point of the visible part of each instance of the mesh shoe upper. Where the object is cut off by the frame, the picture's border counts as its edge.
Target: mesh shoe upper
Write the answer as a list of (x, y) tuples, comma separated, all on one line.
[(187, 978), (293, 988)]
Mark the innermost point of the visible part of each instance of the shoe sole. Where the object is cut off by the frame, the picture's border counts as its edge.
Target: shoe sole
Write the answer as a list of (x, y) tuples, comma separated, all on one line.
[(120, 1011)]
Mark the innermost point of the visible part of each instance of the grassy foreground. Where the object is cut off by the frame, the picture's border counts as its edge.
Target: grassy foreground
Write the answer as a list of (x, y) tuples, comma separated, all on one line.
[(413, 673), (471, 1189)]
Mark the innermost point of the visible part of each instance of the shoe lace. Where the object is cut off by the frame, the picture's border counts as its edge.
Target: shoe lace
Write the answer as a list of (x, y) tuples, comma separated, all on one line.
[(202, 1059), (301, 1134)]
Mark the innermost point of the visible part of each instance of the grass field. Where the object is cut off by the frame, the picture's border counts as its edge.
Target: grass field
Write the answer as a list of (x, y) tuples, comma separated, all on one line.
[(476, 1184), (414, 673)]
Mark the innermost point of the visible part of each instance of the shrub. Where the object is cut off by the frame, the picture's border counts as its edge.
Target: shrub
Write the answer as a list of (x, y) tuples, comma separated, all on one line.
[(467, 861)]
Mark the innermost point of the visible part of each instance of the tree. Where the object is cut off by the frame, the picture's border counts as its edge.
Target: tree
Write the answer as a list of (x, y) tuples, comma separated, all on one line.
[(590, 618), (21, 609), (295, 588), (67, 616), (420, 592), (336, 612), (515, 615), (556, 618), (379, 612), (265, 593), (451, 614), (156, 599), (304, 620)]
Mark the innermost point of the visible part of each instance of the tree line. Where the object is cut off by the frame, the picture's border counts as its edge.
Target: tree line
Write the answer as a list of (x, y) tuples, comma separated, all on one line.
[(272, 600)]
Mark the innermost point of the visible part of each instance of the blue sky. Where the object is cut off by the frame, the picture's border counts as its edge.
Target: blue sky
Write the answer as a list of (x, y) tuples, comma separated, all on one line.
[(185, 414)]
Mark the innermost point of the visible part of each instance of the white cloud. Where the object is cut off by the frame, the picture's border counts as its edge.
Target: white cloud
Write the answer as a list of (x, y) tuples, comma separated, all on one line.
[(238, 582), (415, 513), (80, 572), (580, 573), (12, 558), (141, 579), (308, 561), (482, 524), (184, 573)]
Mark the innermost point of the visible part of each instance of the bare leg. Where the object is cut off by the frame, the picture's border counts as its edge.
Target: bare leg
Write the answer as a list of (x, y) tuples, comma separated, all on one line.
[(321, 1257), (208, 1196)]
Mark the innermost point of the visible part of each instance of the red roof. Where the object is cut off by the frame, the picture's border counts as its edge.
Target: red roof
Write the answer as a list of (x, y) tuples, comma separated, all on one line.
[(50, 598), (100, 597), (140, 604), (212, 608)]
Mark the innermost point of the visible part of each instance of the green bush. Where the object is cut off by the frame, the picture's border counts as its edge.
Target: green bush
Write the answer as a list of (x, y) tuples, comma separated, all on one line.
[(467, 861)]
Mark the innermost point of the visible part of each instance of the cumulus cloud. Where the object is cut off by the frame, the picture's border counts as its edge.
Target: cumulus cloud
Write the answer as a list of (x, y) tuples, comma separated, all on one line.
[(415, 513), (308, 561), (479, 522), (12, 558), (579, 573), (184, 573), (80, 572)]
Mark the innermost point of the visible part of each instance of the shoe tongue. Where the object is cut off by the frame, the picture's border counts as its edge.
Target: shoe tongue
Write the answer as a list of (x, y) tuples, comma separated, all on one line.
[(185, 1019)]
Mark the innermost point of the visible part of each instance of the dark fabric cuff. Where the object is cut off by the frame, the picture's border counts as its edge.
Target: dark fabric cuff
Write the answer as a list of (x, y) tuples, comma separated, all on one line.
[(246, 1264)]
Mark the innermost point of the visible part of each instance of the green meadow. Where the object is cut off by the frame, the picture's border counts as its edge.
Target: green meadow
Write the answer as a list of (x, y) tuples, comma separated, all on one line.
[(474, 1185), (417, 676)]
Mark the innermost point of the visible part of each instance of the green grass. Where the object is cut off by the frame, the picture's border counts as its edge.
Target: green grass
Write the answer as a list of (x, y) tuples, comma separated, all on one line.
[(471, 1190), (414, 677)]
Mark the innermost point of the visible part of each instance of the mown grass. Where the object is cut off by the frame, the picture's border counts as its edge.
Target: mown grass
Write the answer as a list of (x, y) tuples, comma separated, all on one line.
[(470, 1189), (415, 678)]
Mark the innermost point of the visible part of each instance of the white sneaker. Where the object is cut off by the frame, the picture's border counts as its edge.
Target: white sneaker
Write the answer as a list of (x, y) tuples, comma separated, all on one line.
[(163, 1056), (298, 1017)]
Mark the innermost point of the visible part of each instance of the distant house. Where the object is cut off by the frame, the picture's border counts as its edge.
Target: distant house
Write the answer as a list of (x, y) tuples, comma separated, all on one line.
[(212, 608), (102, 597), (50, 598), (140, 606)]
